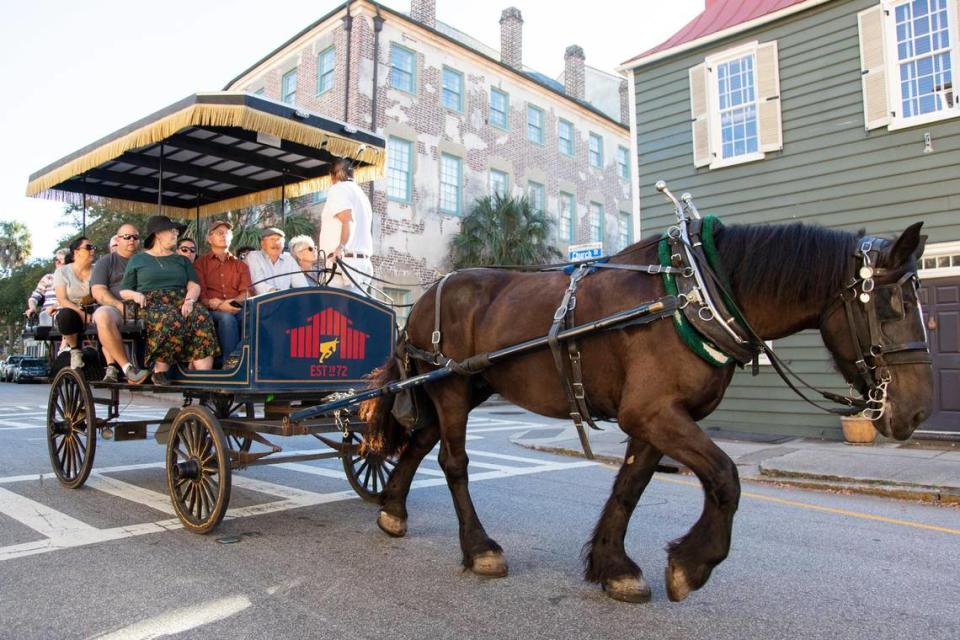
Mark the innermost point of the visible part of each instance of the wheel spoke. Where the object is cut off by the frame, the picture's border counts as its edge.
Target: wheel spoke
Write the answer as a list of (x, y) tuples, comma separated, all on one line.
[(78, 457), (68, 459), (62, 455), (361, 467), (192, 488), (383, 477), (179, 452), (204, 500), (366, 478)]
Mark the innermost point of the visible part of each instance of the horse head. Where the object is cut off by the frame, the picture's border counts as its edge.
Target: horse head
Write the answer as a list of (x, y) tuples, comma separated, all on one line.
[(876, 333)]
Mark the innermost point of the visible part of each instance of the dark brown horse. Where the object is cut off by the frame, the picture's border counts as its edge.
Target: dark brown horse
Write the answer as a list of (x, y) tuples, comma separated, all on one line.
[(784, 278)]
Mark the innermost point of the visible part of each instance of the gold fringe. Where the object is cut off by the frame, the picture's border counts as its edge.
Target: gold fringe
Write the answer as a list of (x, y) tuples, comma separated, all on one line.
[(201, 115)]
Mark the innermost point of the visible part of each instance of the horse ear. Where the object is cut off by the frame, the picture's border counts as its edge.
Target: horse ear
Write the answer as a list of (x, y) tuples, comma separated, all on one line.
[(908, 245)]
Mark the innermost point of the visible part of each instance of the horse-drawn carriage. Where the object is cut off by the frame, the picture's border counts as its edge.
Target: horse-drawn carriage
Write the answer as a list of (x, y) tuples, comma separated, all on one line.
[(199, 157), (721, 291)]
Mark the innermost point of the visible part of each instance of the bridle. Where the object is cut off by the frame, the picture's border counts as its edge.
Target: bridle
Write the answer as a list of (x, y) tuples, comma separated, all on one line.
[(874, 352)]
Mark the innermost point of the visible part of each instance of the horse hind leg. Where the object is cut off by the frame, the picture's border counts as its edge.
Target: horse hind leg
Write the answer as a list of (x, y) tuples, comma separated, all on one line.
[(481, 554), (605, 557), (693, 557), (392, 518)]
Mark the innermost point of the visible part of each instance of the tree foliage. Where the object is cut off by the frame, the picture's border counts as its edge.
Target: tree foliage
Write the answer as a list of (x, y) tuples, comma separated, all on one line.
[(501, 230), (15, 245)]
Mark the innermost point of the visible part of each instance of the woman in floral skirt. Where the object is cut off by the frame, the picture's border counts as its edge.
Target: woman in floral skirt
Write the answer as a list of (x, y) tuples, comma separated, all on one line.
[(165, 285)]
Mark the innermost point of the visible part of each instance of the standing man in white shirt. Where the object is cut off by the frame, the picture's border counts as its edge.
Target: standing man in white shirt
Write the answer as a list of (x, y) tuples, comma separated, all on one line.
[(270, 268), (346, 228)]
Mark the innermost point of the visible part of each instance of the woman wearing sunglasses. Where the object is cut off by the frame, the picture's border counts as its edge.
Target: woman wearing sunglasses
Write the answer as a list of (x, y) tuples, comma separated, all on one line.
[(72, 284), (187, 248), (305, 253)]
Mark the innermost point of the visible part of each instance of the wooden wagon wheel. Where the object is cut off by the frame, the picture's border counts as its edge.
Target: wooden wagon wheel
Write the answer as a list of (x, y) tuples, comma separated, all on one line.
[(224, 407), (198, 469), (367, 472), (71, 428)]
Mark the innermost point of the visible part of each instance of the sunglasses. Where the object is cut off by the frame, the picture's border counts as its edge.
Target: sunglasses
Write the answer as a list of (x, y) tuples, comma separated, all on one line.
[(129, 236), (188, 249), (88, 247)]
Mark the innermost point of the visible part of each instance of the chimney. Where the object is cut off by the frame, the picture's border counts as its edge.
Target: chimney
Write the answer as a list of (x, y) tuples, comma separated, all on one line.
[(424, 11), (624, 103), (511, 38), (573, 81)]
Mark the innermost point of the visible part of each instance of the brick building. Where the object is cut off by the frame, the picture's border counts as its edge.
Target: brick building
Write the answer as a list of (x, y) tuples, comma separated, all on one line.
[(461, 120)]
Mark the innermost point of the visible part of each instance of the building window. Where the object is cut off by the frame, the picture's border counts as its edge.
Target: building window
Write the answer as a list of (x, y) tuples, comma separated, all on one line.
[(923, 63), (399, 297), (537, 195), (452, 94), (596, 222), (568, 214), (451, 175), (535, 124), (596, 151), (325, 62), (625, 229), (623, 162), (288, 87), (399, 169), (402, 75), (737, 107), (499, 108), (499, 183), (565, 137)]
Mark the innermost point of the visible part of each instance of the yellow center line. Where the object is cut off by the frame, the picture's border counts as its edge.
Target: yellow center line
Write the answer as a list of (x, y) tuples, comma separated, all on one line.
[(817, 507)]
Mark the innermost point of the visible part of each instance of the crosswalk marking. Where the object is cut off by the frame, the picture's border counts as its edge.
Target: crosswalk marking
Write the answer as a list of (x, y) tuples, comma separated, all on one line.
[(39, 517), (147, 497)]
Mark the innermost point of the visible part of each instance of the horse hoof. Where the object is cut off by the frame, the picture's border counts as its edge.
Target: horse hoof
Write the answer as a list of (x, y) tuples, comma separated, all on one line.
[(678, 587), (490, 565), (391, 525), (628, 589)]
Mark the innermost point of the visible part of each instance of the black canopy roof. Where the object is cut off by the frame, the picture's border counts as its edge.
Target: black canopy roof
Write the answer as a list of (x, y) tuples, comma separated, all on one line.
[(211, 152)]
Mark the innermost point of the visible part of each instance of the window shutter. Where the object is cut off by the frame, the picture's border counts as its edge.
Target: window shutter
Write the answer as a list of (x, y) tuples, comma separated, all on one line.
[(876, 111), (699, 116), (768, 97)]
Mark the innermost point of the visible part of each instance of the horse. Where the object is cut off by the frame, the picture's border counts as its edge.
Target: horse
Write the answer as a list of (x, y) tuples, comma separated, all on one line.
[(784, 278)]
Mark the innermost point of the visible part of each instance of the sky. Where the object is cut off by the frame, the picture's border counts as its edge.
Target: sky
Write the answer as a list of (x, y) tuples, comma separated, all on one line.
[(73, 72)]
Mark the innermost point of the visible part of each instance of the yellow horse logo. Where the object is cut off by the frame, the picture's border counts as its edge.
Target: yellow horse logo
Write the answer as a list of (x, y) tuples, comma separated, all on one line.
[(328, 348)]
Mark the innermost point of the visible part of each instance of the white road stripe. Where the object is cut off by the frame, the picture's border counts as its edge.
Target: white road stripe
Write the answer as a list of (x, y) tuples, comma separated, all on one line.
[(39, 517), (273, 489), (179, 620), (517, 426), (147, 497)]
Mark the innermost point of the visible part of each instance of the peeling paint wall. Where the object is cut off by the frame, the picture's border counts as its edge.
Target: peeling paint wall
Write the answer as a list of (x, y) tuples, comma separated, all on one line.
[(412, 238)]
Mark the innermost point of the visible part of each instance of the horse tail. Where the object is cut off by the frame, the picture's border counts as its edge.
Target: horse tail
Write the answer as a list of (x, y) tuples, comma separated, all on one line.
[(384, 434)]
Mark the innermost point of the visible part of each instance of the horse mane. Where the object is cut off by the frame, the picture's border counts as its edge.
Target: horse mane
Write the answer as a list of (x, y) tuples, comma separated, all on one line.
[(764, 260)]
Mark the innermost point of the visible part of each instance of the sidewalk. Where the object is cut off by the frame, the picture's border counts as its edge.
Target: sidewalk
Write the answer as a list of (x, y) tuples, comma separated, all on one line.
[(927, 471)]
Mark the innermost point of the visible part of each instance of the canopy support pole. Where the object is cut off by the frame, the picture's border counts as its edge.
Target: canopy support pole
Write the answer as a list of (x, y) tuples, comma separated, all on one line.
[(283, 203), (198, 217), (84, 205), (160, 184)]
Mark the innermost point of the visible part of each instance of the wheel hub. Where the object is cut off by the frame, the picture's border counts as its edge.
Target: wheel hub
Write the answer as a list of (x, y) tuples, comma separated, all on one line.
[(189, 470)]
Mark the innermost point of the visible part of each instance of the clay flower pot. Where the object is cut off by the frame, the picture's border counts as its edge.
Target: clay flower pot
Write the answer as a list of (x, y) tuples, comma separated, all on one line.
[(858, 430)]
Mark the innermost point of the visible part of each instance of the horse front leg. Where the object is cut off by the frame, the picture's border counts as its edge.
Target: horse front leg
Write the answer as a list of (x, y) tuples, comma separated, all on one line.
[(481, 554), (606, 559), (392, 518), (693, 557)]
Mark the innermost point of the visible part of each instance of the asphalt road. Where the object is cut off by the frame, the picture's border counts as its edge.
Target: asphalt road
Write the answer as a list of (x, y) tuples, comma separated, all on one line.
[(308, 561)]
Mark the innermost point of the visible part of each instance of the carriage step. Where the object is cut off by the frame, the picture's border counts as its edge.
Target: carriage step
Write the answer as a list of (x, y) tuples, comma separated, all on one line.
[(163, 431), (130, 431)]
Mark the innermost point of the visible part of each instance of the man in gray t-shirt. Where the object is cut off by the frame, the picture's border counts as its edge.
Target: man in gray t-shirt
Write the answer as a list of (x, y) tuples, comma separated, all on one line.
[(105, 282)]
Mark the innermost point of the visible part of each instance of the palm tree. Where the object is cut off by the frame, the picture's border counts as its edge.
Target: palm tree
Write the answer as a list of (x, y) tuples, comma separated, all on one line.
[(501, 230), (15, 245)]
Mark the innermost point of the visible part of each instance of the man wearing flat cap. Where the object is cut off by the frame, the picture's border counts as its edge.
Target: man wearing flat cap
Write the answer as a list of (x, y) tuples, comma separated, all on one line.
[(270, 268), (224, 282)]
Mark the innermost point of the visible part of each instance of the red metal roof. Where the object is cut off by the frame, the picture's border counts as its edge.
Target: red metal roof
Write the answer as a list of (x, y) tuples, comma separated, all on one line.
[(718, 16)]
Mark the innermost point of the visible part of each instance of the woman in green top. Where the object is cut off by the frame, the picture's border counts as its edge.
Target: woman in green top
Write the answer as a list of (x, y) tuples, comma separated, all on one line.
[(166, 286)]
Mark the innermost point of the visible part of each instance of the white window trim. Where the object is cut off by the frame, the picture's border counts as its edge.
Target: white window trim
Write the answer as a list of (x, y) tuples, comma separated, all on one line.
[(713, 104), (891, 62), (937, 250)]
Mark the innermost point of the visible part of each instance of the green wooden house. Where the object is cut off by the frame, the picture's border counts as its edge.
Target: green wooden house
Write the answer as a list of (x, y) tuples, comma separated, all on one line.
[(843, 113)]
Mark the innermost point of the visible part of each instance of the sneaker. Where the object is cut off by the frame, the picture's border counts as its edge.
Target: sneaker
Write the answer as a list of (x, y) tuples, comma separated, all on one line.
[(76, 359), (134, 375), (159, 378), (112, 374)]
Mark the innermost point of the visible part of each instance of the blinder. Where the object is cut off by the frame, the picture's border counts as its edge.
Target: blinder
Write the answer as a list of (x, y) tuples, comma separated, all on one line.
[(872, 311)]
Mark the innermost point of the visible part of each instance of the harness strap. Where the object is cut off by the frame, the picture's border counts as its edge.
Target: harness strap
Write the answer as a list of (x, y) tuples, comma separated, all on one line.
[(436, 337)]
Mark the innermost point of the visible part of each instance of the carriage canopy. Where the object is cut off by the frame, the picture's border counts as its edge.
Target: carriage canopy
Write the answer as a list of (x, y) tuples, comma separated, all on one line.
[(207, 154)]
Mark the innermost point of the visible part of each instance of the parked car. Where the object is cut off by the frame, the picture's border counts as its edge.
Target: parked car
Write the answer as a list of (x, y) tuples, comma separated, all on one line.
[(9, 367), (31, 369)]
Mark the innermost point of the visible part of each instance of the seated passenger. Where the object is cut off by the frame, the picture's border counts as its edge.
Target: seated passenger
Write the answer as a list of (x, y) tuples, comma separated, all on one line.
[(72, 284), (43, 301), (270, 268), (224, 282), (105, 286), (187, 248), (305, 253), (166, 286)]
